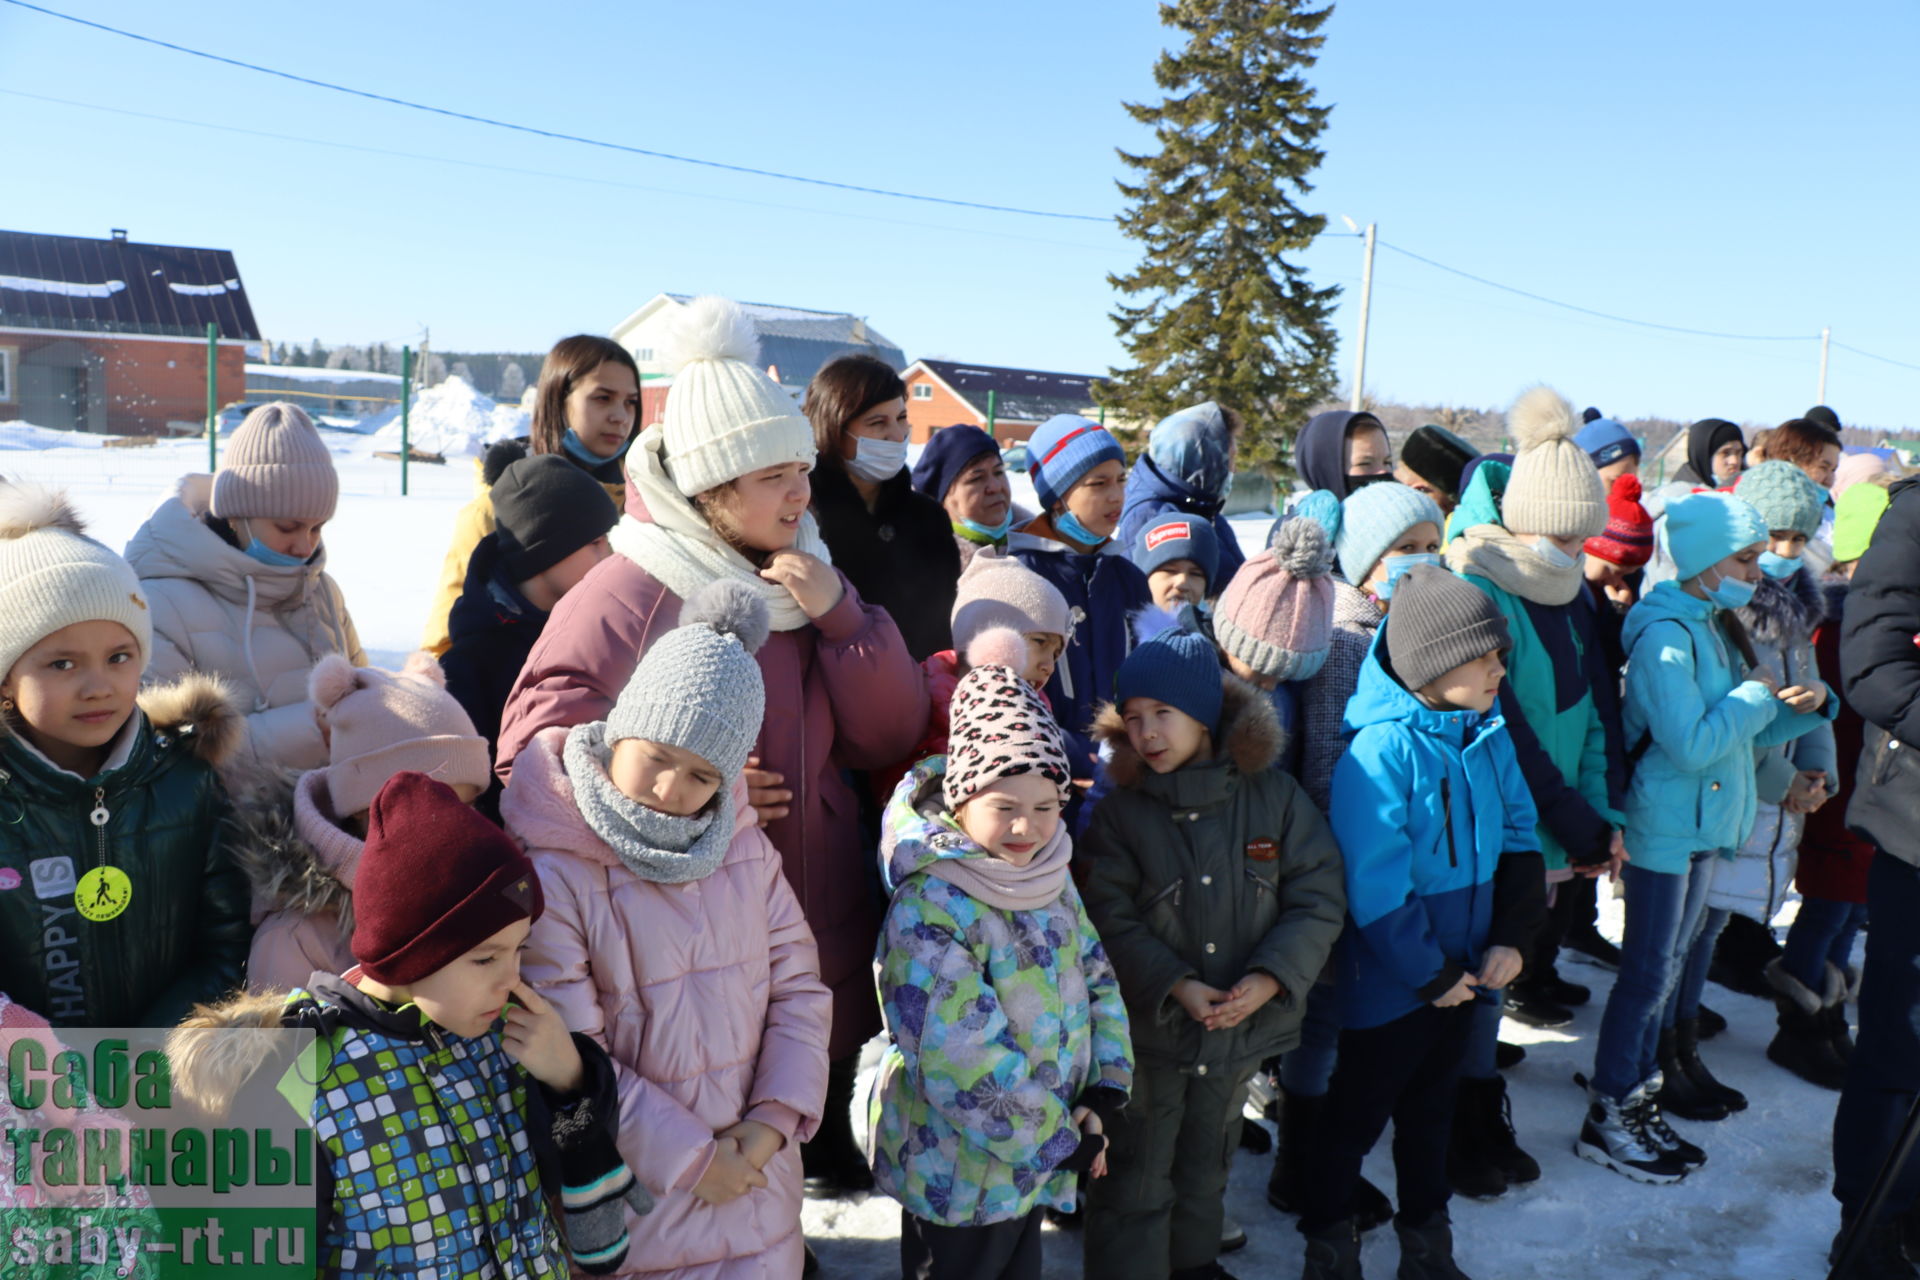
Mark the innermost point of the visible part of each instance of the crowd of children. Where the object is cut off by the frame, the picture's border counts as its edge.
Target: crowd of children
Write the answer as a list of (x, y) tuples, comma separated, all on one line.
[(1124, 822)]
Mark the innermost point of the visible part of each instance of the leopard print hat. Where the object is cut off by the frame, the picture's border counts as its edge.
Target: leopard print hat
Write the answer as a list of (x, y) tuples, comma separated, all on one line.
[(998, 726)]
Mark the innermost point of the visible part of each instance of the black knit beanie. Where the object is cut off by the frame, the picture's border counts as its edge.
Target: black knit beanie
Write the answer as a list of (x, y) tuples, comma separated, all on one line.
[(545, 509)]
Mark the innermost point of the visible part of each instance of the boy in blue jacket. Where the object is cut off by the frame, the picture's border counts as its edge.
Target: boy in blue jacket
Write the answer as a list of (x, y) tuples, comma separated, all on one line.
[(1445, 889)]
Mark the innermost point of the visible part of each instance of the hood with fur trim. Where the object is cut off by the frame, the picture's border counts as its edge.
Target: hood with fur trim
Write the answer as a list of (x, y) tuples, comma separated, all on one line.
[(1784, 612), (200, 710), (275, 831), (1250, 736)]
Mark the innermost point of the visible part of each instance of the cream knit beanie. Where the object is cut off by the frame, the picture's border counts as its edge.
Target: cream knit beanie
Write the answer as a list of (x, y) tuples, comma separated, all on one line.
[(1555, 489), (276, 465), (52, 575), (724, 416)]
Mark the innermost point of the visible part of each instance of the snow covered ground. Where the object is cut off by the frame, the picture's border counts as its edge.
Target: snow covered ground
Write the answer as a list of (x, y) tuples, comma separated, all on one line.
[(1760, 1208)]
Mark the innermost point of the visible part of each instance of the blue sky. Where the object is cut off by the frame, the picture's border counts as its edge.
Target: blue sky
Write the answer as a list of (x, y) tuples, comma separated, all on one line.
[(1738, 167)]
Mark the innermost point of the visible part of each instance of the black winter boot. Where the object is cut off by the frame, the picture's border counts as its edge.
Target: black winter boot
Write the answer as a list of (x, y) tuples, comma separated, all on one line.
[(832, 1164), (1300, 1118), (1533, 1006), (1492, 1115), (1686, 1051), (1741, 956), (1678, 1093), (1333, 1253), (1840, 1032), (1804, 1043), (1426, 1251), (1506, 1056), (1711, 1023), (1472, 1169)]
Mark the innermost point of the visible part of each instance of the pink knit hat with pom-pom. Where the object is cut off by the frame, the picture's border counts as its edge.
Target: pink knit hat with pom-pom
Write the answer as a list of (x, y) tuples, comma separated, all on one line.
[(1276, 615), (380, 723), (997, 725)]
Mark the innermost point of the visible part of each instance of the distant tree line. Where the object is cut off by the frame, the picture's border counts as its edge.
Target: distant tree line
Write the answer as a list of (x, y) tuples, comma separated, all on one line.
[(504, 375)]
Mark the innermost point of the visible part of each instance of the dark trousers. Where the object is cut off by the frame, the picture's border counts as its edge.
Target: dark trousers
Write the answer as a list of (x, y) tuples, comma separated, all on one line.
[(1404, 1072), (1884, 1073), (1007, 1250), (1160, 1207)]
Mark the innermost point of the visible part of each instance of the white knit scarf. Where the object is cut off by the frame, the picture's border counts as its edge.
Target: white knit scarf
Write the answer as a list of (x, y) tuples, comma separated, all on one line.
[(1489, 551), (680, 548)]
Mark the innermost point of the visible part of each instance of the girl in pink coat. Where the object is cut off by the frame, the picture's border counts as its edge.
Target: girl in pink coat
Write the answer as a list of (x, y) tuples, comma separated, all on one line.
[(672, 938), (718, 491)]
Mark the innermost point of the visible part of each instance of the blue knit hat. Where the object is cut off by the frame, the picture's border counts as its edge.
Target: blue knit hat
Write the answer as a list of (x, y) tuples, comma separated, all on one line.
[(1705, 528), (1606, 441), (1179, 668), (1177, 537), (1372, 519), (1063, 449), (949, 451), (1784, 497)]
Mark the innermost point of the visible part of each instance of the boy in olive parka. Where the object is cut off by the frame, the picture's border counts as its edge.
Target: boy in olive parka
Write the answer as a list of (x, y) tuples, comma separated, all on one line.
[(1218, 891)]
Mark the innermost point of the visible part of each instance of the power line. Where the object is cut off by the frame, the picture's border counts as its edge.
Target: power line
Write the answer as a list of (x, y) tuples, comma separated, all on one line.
[(1568, 306), (535, 173), (550, 133), (1882, 359)]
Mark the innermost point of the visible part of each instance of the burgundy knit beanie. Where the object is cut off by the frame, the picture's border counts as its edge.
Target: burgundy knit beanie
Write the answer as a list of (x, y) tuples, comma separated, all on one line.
[(435, 881)]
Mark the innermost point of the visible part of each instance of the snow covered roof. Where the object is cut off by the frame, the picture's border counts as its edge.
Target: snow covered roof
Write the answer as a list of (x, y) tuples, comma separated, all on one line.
[(794, 340), (117, 286), (1020, 395)]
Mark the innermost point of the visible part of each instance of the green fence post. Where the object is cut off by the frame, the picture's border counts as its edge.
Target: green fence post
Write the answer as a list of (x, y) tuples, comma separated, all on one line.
[(406, 409), (213, 395), (993, 403)]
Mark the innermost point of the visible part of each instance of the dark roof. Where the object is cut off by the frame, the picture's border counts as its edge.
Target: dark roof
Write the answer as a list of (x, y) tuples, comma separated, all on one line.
[(798, 342), (115, 286), (1020, 395)]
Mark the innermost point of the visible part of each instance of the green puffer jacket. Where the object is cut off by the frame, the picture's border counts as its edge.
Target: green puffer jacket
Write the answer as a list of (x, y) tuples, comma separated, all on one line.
[(184, 933), (1213, 871)]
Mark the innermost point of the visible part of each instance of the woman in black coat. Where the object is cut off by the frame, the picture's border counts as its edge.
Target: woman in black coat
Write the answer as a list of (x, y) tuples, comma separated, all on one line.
[(895, 545)]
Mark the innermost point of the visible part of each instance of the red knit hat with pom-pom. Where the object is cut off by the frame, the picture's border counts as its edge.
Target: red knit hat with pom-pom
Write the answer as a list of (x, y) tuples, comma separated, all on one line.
[(1628, 538)]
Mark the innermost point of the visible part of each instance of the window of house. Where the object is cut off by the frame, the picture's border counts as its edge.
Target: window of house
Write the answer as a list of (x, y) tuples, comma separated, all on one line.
[(923, 391), (644, 354), (9, 357)]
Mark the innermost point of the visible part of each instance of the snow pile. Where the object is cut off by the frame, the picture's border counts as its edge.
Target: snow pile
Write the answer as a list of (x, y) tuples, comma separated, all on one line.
[(452, 420), (24, 435)]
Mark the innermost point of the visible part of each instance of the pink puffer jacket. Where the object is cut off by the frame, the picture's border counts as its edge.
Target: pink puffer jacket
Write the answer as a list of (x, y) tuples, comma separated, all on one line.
[(843, 693), (708, 997)]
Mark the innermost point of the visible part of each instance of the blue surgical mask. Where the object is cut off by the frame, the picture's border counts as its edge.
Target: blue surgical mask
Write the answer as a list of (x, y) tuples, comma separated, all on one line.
[(587, 457), (987, 533), (1731, 593), (1397, 565), (876, 461), (273, 559), (1554, 556), (1066, 522), (1778, 567)]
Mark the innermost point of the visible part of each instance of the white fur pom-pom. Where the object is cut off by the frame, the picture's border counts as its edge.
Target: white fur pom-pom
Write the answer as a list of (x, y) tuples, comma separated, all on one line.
[(25, 508), (1540, 416), (710, 328), (331, 679), (422, 665), (731, 608), (998, 647)]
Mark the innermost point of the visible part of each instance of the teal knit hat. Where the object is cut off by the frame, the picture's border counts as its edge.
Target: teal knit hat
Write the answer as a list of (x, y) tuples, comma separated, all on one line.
[(1705, 528), (1784, 497), (1372, 519)]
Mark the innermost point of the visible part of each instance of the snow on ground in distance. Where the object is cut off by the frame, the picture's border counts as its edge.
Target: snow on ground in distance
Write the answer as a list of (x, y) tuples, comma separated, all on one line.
[(1761, 1207)]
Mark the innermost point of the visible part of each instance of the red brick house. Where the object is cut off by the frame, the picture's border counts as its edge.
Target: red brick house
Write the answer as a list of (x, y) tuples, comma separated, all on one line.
[(946, 393), (111, 336)]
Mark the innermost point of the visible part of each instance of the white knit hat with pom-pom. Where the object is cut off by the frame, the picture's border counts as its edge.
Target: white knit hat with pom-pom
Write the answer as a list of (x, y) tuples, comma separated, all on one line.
[(379, 723), (1555, 489), (699, 687), (52, 575), (725, 417)]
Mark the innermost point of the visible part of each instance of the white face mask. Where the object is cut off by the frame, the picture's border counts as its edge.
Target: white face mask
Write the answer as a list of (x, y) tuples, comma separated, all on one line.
[(877, 460), (1554, 556)]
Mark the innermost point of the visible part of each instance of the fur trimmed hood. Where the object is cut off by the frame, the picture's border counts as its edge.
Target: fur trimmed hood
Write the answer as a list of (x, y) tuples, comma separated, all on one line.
[(273, 848), (210, 1063), (1784, 612), (201, 710), (1250, 736)]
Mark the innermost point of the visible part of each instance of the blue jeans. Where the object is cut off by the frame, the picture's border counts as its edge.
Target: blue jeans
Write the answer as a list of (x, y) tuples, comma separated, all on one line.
[(1884, 1073), (1306, 1068), (1664, 911), (1822, 935), (1685, 1003)]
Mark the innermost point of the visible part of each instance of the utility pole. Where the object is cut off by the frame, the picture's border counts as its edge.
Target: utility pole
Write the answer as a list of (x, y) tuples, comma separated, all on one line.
[(1366, 303), (1826, 341)]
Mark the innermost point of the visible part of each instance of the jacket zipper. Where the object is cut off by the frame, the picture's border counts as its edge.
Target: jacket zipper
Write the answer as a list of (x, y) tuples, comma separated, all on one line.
[(1446, 809), (1171, 891), (99, 818)]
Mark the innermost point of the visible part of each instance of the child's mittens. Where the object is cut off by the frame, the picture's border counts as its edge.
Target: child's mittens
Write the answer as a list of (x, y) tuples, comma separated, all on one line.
[(596, 1186), (1105, 1102)]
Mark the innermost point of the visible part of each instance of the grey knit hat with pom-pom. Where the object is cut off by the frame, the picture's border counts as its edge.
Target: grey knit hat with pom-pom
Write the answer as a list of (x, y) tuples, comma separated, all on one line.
[(698, 688), (1276, 615), (1555, 489)]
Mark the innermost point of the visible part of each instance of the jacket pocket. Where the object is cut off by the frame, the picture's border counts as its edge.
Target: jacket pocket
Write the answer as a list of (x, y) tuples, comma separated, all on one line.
[(1163, 915), (1264, 900), (1886, 756)]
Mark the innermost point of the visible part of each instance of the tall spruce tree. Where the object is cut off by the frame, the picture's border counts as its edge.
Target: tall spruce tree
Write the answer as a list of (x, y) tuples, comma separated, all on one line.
[(1224, 314)]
